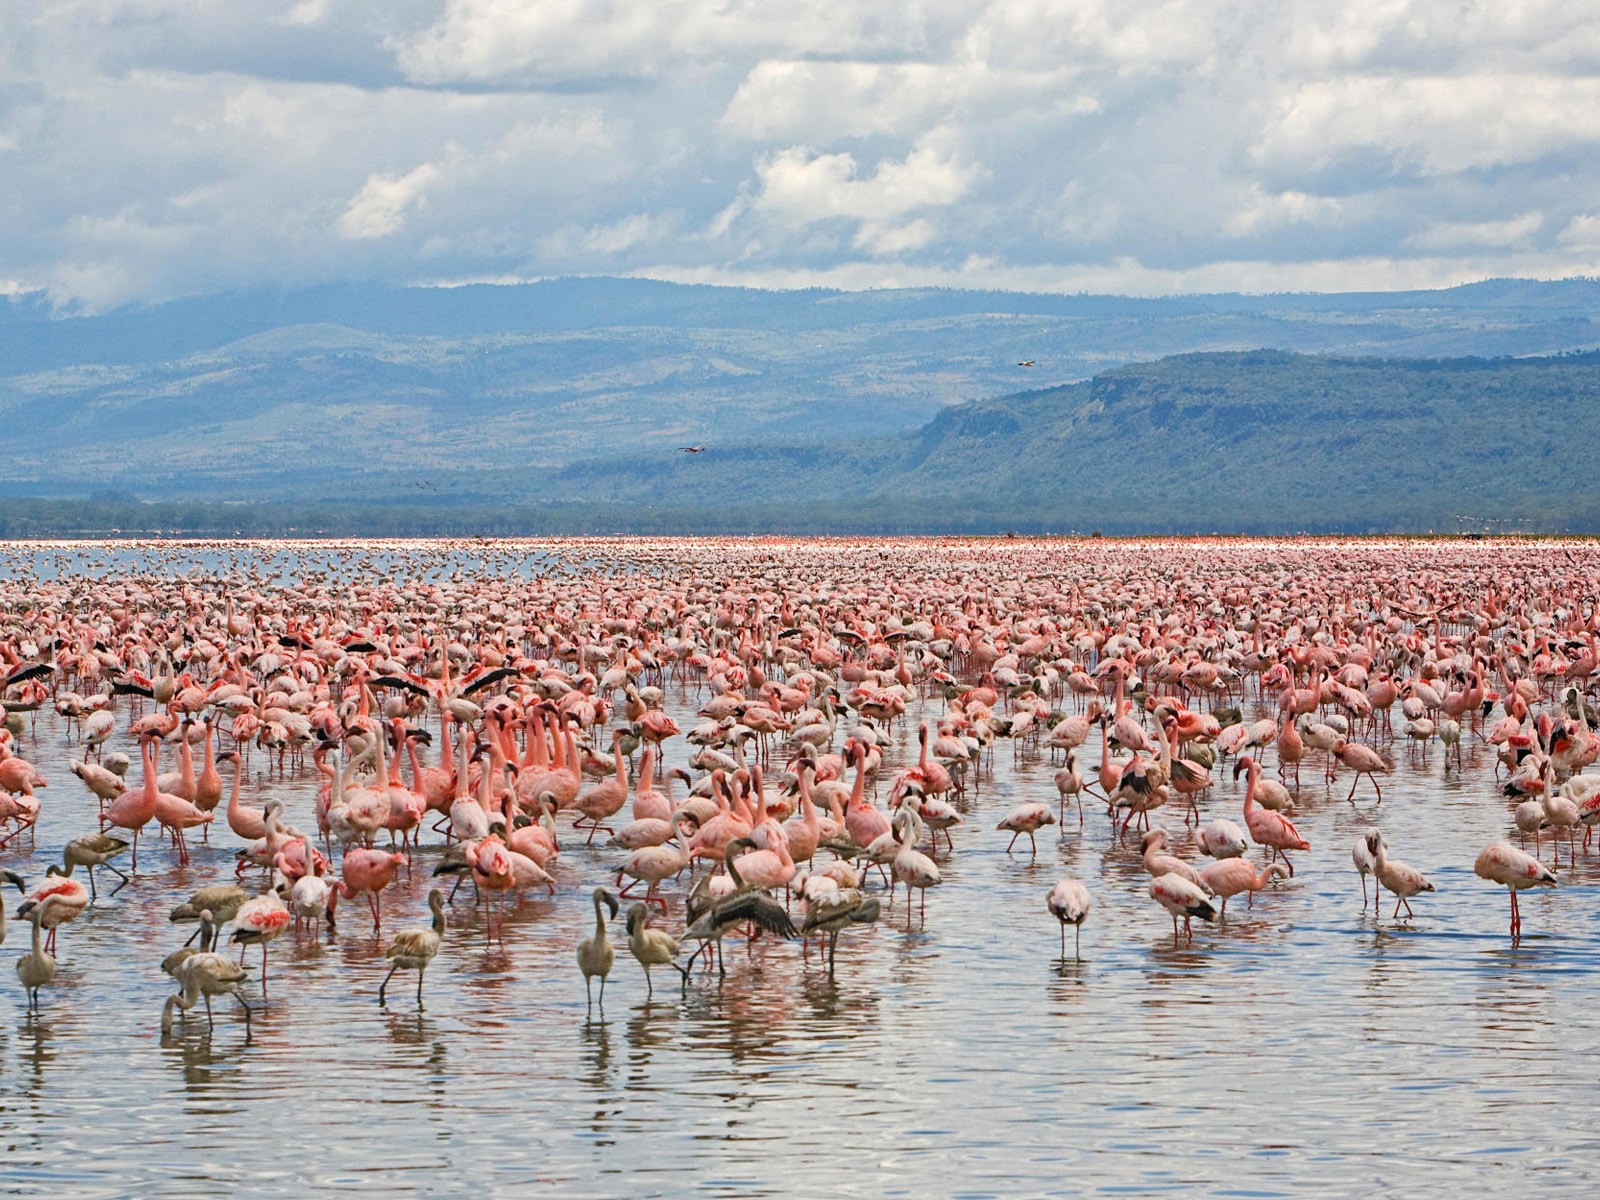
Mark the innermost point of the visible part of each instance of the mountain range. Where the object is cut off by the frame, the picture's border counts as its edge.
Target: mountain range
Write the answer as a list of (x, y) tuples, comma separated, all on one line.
[(562, 407)]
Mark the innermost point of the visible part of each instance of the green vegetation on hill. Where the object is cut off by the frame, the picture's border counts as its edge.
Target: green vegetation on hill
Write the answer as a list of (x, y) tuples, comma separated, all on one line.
[(524, 395), (1250, 442)]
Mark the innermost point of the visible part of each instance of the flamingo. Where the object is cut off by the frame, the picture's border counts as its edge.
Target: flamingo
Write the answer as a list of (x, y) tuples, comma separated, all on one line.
[(1228, 877), (606, 798), (1157, 863), (369, 871), (915, 869), (414, 949), (221, 901), (1069, 783), (134, 810), (651, 947), (834, 913), (58, 900), (205, 974), (742, 905), (311, 895), (258, 921), (1366, 862), (1221, 838), (1363, 760), (1182, 898), (1267, 828), (864, 822), (89, 851), (1503, 863), (1069, 903), (1026, 819), (249, 823), (37, 967), (1403, 880), (596, 954)]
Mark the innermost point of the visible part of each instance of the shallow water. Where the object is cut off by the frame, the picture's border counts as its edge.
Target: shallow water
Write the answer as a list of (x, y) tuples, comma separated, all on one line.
[(1306, 1045)]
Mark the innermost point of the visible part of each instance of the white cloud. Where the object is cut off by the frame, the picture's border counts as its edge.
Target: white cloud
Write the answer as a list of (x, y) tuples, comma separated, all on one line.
[(379, 209), (1452, 235), (307, 12), (1262, 211), (606, 241), (888, 240), (800, 186), (159, 147), (566, 39), (1582, 234), (1132, 278), (1434, 124), (808, 100)]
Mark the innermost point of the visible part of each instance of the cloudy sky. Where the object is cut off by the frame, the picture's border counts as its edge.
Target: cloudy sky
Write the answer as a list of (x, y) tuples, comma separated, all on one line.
[(154, 148)]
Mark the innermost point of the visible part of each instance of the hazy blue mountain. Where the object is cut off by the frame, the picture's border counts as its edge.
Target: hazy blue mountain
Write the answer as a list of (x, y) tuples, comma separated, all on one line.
[(896, 407)]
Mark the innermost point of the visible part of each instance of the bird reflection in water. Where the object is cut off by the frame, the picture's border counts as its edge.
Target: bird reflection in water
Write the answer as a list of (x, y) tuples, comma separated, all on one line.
[(413, 1031), (1175, 968), (207, 1060), (651, 1026), (489, 978), (420, 1046), (1513, 993), (598, 1073), (1069, 976), (39, 1044), (741, 1015)]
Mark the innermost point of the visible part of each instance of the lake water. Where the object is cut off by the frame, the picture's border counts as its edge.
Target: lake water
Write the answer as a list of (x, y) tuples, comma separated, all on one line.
[(1306, 1045)]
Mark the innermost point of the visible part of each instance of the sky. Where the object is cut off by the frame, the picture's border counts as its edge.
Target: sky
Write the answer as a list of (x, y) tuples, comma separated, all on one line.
[(158, 148)]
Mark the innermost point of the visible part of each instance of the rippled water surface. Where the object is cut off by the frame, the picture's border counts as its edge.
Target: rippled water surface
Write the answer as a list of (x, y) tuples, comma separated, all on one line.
[(1306, 1045)]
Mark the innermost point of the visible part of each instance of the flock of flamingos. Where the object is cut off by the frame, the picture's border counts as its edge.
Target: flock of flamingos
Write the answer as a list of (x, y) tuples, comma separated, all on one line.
[(509, 731)]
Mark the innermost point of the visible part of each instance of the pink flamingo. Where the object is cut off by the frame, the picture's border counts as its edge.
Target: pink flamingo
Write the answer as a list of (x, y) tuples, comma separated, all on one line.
[(606, 798), (135, 809), (369, 871), (1229, 876), (249, 823), (1069, 903), (655, 864), (1267, 828), (1400, 878), (1182, 898), (1026, 819), (258, 921), (1291, 747), (1363, 760), (648, 802), (1503, 863), (60, 900), (863, 821)]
